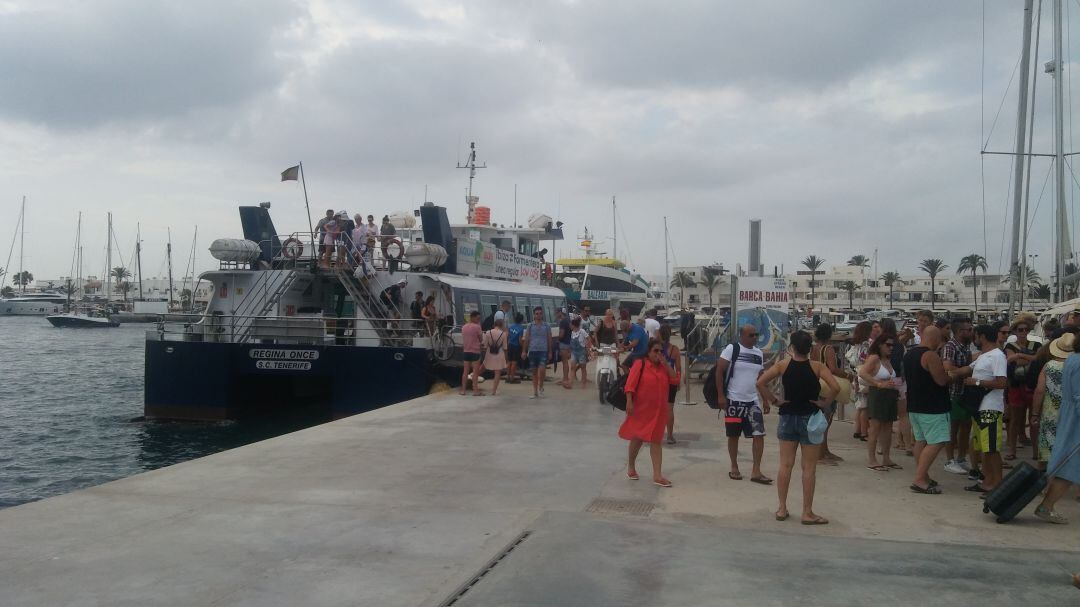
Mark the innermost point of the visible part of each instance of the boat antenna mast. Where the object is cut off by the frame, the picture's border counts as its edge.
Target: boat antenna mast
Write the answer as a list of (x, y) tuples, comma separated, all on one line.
[(472, 166), (168, 257), (138, 257)]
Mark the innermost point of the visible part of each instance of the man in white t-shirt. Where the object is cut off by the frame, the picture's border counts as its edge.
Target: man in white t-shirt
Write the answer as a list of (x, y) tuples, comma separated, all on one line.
[(652, 326), (989, 372), (741, 403)]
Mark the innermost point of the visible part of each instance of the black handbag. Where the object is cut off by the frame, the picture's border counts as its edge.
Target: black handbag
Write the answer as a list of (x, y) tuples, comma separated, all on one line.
[(616, 396), (971, 399)]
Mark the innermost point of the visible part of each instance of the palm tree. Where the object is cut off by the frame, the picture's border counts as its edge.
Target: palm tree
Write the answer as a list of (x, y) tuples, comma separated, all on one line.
[(890, 278), (1041, 291), (119, 273), (7, 292), (1031, 277), (125, 288), (932, 267), (859, 261), (710, 281), (973, 263), (682, 281), (813, 263), (850, 286), (23, 279)]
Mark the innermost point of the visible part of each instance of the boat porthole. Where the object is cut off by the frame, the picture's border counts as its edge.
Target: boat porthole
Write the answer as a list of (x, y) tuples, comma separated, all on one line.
[(398, 356), (169, 350)]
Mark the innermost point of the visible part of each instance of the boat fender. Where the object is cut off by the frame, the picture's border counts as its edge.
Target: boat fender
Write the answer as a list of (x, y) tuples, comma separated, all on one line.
[(400, 249), (292, 248)]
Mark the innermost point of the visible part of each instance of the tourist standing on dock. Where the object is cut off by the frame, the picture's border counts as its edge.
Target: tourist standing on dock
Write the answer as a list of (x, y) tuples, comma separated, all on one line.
[(1046, 404), (902, 429), (802, 379), (741, 403), (580, 344), (471, 338), (824, 353), (565, 345), (928, 406), (858, 350), (636, 342), (990, 372), (495, 344), (588, 322), (607, 331), (1064, 463), (671, 356), (536, 345), (652, 326), (956, 355), (646, 410), (878, 374), (1020, 353), (513, 347)]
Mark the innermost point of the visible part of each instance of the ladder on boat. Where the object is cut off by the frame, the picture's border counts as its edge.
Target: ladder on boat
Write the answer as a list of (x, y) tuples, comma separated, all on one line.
[(367, 295), (267, 291)]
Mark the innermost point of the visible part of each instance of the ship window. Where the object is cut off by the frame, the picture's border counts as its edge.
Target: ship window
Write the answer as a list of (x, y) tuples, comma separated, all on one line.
[(522, 307), (488, 305), (470, 302), (549, 310), (594, 282)]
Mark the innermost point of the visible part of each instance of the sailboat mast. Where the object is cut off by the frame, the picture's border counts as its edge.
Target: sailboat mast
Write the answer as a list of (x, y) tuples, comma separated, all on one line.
[(1021, 139), (108, 260), (78, 257), (614, 232), (667, 279), (22, 237), (168, 257), (138, 256), (1063, 247)]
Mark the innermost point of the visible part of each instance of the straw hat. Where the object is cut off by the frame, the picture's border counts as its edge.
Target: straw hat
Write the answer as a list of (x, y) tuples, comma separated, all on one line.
[(1024, 318), (1063, 346)]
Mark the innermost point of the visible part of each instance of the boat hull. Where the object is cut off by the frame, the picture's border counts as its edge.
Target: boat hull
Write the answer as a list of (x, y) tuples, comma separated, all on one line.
[(193, 380), (67, 321)]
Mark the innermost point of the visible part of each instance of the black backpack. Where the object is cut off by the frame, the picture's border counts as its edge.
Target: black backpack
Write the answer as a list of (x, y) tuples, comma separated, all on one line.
[(709, 389), (616, 396)]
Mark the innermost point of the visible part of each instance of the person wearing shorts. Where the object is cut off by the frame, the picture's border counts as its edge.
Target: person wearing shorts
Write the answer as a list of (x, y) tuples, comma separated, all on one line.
[(471, 338), (740, 401), (536, 345), (928, 407), (989, 372)]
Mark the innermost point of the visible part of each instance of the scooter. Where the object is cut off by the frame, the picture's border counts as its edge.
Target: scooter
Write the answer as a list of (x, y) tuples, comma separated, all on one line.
[(607, 370)]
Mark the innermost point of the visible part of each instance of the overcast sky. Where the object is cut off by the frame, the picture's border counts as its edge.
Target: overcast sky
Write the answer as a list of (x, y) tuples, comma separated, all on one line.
[(845, 126)]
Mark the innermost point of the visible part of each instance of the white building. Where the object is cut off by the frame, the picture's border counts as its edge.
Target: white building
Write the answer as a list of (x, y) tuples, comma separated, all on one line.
[(697, 296), (152, 288), (951, 290)]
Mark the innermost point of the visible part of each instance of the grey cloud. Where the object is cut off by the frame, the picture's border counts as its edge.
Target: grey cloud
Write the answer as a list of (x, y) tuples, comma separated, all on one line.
[(89, 63)]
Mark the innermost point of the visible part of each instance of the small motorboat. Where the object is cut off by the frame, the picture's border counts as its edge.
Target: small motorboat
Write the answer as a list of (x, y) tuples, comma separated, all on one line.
[(74, 320)]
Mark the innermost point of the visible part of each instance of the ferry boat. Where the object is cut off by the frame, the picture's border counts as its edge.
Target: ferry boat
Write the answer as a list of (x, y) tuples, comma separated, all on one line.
[(597, 281), (33, 304), (282, 332)]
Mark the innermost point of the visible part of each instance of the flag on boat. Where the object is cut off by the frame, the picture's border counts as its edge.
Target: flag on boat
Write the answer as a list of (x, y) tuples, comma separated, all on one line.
[(291, 173)]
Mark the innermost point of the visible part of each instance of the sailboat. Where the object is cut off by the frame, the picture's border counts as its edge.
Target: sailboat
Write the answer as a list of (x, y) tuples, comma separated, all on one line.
[(22, 303), (89, 318)]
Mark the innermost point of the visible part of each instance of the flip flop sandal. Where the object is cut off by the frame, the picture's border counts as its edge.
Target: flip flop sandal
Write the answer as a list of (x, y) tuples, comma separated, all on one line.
[(878, 468), (664, 483), (975, 488), (670, 441), (632, 476), (894, 466), (783, 517), (1010, 457), (735, 476), (931, 490), (761, 480), (816, 521)]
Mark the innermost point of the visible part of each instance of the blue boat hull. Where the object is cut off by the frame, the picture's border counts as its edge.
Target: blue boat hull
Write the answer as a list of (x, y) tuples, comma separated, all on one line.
[(192, 380)]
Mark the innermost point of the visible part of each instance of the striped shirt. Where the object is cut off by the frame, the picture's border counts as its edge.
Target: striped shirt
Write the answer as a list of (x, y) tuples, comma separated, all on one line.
[(960, 356)]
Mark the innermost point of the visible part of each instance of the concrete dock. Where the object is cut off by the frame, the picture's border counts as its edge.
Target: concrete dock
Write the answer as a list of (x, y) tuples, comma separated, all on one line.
[(450, 500)]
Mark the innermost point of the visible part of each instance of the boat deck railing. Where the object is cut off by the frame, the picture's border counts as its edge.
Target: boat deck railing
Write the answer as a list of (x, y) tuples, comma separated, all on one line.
[(378, 257), (294, 330)]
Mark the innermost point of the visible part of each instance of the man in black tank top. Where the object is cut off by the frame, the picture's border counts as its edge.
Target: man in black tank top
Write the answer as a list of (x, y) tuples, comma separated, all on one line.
[(928, 406)]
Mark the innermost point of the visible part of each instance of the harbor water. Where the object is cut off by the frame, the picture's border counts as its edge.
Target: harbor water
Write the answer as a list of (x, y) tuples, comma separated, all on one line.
[(71, 402)]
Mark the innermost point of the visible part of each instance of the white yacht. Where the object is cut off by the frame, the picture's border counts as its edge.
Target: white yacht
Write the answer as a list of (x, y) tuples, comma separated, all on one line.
[(33, 304)]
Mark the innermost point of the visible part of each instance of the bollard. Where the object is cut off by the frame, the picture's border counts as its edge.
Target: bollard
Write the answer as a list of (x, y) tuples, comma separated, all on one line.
[(686, 382)]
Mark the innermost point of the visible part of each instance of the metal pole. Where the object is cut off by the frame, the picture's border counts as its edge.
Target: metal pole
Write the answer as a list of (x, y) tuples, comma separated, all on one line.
[(667, 277), (1030, 143), (108, 261), (1018, 168), (168, 257), (733, 324), (22, 236), (1062, 221), (614, 232), (307, 207), (138, 256)]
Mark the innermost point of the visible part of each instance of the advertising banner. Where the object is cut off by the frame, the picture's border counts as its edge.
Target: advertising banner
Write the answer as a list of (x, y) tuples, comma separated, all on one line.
[(477, 258)]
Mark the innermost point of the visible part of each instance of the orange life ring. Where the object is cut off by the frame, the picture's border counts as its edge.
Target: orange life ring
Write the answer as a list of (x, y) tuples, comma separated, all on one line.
[(400, 249), (292, 248)]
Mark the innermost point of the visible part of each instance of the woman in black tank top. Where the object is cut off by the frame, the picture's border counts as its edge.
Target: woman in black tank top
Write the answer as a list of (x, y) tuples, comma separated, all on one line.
[(801, 378)]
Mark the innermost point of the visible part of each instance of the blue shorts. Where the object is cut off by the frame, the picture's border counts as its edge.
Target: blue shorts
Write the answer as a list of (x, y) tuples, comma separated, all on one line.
[(793, 428), (538, 359), (579, 356)]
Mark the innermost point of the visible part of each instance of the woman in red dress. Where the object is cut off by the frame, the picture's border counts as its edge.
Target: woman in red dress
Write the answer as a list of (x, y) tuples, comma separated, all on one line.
[(647, 409)]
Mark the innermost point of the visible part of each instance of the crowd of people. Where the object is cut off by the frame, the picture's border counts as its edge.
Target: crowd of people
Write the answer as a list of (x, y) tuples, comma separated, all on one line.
[(352, 242)]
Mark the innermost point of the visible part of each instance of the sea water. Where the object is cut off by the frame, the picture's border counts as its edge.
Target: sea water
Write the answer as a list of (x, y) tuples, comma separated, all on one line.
[(71, 402)]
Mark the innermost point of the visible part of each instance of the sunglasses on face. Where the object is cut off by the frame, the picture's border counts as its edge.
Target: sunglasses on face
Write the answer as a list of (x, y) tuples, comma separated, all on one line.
[(1022, 329)]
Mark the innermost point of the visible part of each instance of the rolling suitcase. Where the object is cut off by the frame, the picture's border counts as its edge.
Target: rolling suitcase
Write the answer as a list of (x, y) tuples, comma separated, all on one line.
[(1017, 490)]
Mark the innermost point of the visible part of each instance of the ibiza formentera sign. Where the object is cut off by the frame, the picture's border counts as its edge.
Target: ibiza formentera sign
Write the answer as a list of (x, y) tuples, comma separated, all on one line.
[(477, 258)]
